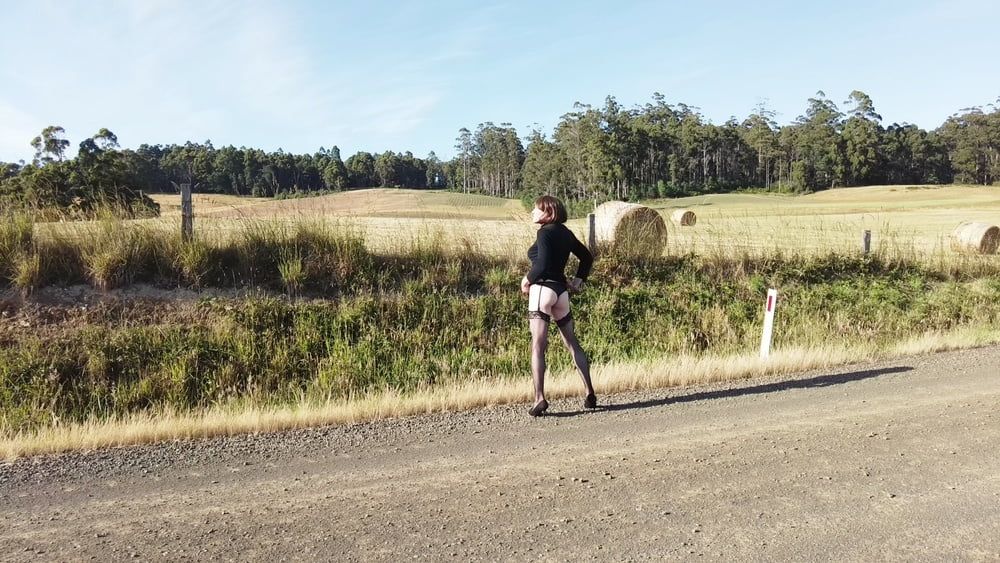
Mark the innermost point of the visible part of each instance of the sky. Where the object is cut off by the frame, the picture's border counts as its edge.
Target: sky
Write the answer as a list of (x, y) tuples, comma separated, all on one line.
[(376, 76)]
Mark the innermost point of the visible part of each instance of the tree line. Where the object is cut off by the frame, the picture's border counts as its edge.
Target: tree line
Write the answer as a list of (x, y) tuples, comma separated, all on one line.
[(594, 153), (663, 150), (103, 173)]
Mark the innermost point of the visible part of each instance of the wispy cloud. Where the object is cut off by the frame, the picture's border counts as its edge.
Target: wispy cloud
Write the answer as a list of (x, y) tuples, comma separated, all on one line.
[(222, 62), (251, 64), (390, 115), (242, 72)]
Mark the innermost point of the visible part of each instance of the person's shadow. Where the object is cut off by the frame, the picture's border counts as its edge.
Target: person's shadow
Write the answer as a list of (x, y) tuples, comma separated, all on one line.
[(818, 381)]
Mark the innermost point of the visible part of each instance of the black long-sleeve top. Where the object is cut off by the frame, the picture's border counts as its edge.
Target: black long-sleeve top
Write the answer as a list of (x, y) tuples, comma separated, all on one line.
[(551, 251)]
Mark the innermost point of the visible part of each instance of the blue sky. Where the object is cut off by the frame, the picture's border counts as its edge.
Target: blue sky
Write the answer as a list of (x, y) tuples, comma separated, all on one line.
[(406, 76)]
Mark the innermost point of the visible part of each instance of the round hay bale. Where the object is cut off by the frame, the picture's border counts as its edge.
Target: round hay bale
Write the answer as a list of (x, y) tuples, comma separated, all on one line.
[(630, 228), (684, 217), (981, 238)]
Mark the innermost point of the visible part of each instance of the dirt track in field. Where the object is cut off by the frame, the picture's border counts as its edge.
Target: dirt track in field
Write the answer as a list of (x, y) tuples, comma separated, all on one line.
[(892, 461)]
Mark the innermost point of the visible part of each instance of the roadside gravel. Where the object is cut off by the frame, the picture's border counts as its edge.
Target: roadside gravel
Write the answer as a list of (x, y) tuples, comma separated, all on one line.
[(889, 461)]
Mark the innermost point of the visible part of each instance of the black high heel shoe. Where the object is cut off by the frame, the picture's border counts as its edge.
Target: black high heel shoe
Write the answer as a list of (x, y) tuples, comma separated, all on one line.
[(590, 402), (539, 408)]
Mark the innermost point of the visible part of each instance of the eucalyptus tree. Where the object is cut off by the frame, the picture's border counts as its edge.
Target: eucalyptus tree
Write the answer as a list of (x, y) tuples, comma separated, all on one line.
[(760, 131), (190, 163), (226, 172), (435, 175), (413, 171), (282, 171), (817, 160), (9, 170), (545, 168), (145, 170), (361, 170), (50, 145), (335, 174), (733, 159), (464, 148), (911, 155), (388, 169), (973, 140), (862, 134), (580, 134), (253, 173), (499, 155), (100, 169)]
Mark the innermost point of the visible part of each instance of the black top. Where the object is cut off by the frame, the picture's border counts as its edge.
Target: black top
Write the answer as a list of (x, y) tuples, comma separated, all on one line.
[(551, 251)]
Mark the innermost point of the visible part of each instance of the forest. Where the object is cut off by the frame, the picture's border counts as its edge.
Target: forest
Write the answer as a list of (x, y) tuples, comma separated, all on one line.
[(657, 149)]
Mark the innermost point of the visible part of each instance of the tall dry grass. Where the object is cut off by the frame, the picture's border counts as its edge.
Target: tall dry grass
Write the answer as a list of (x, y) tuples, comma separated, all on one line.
[(247, 251), (16, 241)]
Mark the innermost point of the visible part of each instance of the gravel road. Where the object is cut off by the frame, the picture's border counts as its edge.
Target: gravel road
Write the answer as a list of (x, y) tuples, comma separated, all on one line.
[(899, 460)]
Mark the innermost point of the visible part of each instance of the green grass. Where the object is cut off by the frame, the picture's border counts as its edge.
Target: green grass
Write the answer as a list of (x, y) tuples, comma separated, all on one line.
[(438, 321)]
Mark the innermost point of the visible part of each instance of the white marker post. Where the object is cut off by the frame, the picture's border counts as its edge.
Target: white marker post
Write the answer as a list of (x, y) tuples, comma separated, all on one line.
[(769, 306)]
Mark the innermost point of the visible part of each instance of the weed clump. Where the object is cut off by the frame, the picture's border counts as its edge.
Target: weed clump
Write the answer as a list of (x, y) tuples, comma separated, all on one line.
[(16, 237), (120, 254)]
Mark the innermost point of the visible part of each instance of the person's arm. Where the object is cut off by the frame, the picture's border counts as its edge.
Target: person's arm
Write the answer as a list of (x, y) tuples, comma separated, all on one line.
[(585, 257), (543, 244)]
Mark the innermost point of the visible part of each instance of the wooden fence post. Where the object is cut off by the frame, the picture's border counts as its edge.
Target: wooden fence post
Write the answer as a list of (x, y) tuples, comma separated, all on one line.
[(187, 214), (866, 243), (592, 233)]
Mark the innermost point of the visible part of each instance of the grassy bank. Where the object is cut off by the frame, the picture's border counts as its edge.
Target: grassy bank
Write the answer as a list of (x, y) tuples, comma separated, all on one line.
[(446, 321), (326, 323)]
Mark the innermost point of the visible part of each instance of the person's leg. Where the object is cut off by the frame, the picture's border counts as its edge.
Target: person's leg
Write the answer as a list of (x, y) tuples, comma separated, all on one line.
[(540, 302), (539, 343), (564, 320)]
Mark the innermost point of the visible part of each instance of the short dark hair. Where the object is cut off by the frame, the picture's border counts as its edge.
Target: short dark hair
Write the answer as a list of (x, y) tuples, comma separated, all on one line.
[(553, 210)]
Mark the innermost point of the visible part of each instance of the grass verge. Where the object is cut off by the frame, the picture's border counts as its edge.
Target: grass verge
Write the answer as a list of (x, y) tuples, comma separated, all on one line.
[(150, 427)]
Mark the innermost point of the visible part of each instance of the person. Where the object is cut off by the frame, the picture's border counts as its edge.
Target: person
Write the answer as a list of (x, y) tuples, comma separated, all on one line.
[(548, 294)]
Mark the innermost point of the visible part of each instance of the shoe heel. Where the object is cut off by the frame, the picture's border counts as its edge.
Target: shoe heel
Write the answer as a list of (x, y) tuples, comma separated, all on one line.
[(539, 408)]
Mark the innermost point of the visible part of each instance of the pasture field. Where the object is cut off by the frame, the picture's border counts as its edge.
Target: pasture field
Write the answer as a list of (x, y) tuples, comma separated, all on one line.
[(374, 202), (386, 218), (913, 221)]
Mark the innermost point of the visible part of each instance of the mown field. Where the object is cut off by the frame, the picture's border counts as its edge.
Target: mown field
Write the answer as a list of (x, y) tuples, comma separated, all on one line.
[(915, 220), (386, 218), (380, 303)]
